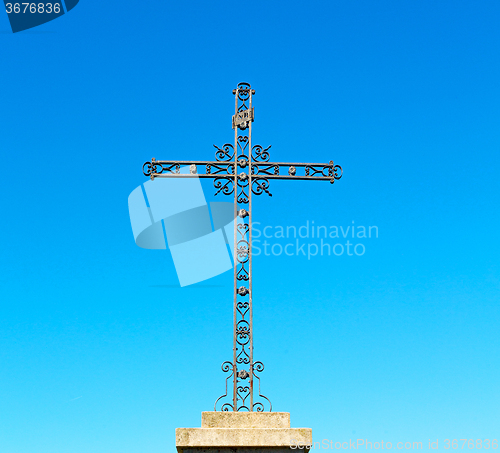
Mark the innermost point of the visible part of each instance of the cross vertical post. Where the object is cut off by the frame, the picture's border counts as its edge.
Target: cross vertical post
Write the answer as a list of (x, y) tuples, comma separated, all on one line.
[(243, 315)]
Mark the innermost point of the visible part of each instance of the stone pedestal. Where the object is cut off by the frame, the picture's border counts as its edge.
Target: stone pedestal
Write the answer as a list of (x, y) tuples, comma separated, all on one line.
[(242, 432)]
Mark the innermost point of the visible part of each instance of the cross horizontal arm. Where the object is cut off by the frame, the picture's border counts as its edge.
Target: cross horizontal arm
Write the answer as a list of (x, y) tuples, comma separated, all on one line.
[(296, 170), (260, 170), (172, 168)]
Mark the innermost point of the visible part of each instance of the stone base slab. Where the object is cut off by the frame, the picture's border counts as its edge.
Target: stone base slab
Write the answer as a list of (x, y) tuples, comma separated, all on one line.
[(245, 420), (242, 437), (238, 450), (242, 432)]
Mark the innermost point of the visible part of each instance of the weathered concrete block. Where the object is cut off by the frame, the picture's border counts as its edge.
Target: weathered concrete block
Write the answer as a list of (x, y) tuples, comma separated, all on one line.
[(239, 450), (242, 432), (245, 420), (241, 437)]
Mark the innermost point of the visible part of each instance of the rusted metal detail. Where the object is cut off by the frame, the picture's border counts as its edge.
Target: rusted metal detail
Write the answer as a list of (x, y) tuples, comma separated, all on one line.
[(243, 170), (243, 118), (243, 374), (242, 291)]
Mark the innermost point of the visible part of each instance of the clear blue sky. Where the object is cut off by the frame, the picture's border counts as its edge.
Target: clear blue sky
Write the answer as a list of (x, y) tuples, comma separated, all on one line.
[(101, 351)]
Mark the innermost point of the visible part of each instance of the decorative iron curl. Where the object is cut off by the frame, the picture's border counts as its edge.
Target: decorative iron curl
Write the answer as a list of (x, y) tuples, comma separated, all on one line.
[(243, 229), (224, 184), (155, 168), (243, 330), (265, 169), (224, 154), (336, 170), (242, 193), (328, 171), (333, 172), (220, 169), (242, 357), (260, 185), (258, 407), (242, 252), (242, 393), (321, 170), (149, 168), (244, 91), (226, 367), (242, 147), (257, 368), (243, 308), (242, 274), (243, 197), (259, 154)]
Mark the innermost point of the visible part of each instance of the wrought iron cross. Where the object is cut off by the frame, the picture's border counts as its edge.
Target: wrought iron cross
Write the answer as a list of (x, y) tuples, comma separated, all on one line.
[(241, 170)]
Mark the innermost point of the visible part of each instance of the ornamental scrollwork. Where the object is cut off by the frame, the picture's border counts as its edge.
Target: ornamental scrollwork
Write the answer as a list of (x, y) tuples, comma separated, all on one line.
[(242, 147), (327, 171), (242, 197), (336, 172), (224, 154), (257, 368), (224, 184), (226, 368), (259, 154), (266, 169), (243, 92), (214, 168), (155, 168), (260, 185), (243, 391)]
